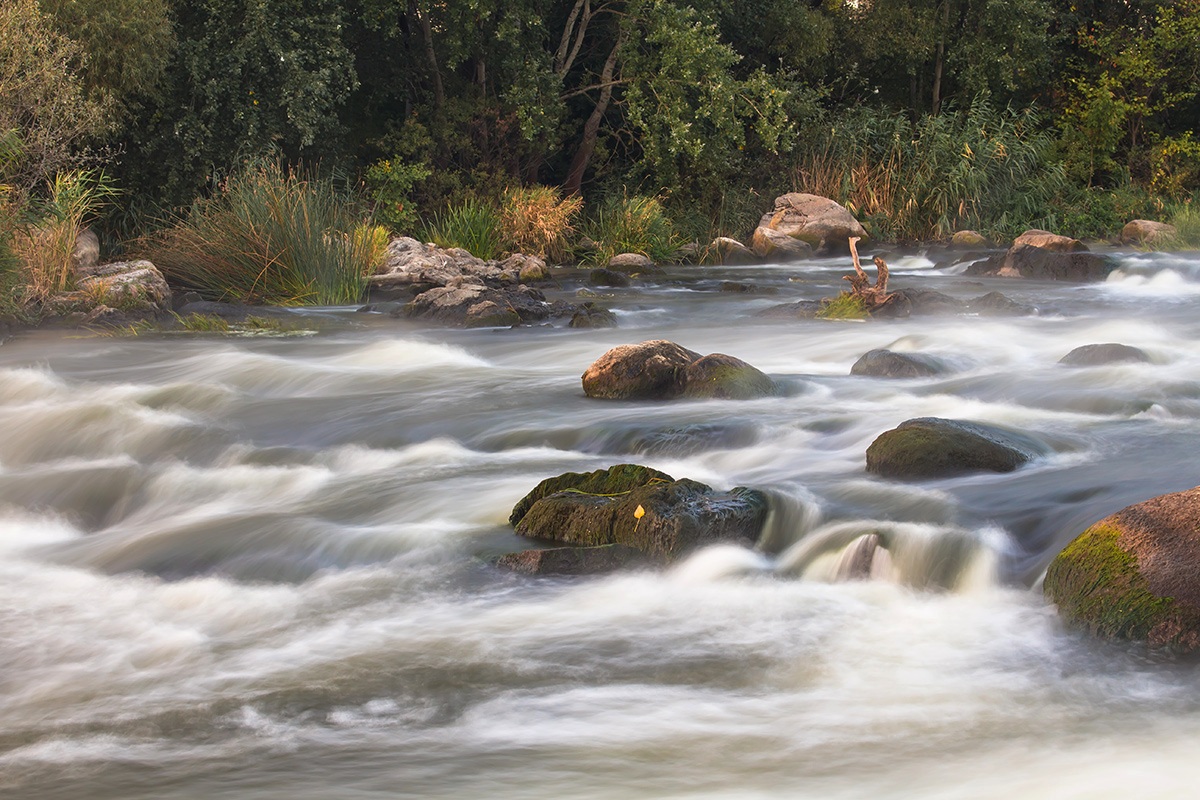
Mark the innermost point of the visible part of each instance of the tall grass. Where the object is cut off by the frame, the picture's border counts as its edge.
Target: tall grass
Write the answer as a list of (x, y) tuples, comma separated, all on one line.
[(268, 235), (982, 168), (473, 225), (537, 221), (1186, 220), (638, 224), (43, 248)]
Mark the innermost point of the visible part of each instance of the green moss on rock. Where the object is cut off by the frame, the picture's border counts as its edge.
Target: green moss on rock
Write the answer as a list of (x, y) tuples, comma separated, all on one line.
[(616, 480)]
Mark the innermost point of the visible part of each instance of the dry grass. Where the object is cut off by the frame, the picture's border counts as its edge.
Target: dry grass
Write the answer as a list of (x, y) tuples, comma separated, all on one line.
[(539, 221)]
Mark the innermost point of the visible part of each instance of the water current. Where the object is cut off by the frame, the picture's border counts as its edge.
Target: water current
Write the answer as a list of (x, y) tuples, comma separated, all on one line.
[(257, 567)]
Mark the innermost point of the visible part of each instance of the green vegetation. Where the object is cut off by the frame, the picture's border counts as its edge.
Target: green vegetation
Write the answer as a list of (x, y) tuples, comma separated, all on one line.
[(267, 235), (661, 120), (844, 306)]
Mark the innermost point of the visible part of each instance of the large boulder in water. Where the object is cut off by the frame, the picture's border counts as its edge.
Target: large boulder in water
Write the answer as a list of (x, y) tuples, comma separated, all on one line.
[(639, 508), (931, 447), (1092, 355), (818, 221), (890, 364), (1043, 255), (652, 370), (1135, 575), (721, 376), (662, 370), (471, 305), (775, 245)]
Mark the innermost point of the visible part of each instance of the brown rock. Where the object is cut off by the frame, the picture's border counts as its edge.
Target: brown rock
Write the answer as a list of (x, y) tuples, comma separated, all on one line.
[(1147, 233), (725, 250), (819, 221), (630, 262), (652, 370), (777, 246), (572, 560), (1046, 240)]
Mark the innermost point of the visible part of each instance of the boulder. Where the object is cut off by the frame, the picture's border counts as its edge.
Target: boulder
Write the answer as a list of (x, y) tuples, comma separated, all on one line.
[(643, 509), (1043, 255), (127, 286), (652, 370), (572, 560), (1134, 575), (720, 376), (995, 304), (801, 309), (86, 255), (1147, 233), (968, 240), (590, 315), (1091, 355), (608, 277), (890, 364), (724, 250), (528, 269), (823, 224), (910, 302), (411, 267), (471, 305), (630, 262), (774, 245), (930, 447)]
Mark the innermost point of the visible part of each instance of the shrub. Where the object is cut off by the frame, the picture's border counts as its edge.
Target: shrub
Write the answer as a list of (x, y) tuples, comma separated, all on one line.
[(979, 168), (44, 248), (474, 226), (635, 224), (390, 183), (537, 221), (267, 236)]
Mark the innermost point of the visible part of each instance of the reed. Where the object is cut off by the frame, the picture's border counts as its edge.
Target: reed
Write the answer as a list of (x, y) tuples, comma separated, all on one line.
[(473, 225), (268, 236), (638, 224)]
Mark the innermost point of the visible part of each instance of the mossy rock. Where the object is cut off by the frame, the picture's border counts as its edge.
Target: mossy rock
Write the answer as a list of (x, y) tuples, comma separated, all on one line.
[(1135, 575), (889, 364), (659, 517), (652, 370), (720, 376), (930, 447)]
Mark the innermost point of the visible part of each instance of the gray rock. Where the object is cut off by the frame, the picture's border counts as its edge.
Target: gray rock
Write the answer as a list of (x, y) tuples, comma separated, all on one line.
[(890, 364), (608, 277), (630, 262), (774, 245), (1091, 355), (725, 250), (572, 560), (589, 315), (823, 224), (930, 447)]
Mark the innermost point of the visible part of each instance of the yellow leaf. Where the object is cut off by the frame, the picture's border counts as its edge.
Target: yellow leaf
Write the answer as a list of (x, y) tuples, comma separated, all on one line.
[(639, 512)]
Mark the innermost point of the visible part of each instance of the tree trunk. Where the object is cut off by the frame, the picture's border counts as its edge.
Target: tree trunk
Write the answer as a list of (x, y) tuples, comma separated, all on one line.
[(939, 64), (439, 93), (591, 129)]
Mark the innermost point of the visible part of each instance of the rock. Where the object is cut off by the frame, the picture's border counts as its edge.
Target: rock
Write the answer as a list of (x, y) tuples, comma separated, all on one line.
[(475, 306), (232, 312), (411, 268), (995, 304), (889, 364), (1135, 575), (801, 309), (652, 370), (128, 286), (86, 255), (1091, 355), (737, 287), (608, 277), (909, 302), (590, 315), (572, 560), (968, 240), (930, 447), (822, 223), (1045, 256), (720, 376), (630, 262), (773, 245), (528, 269), (1147, 233), (731, 252), (644, 509)]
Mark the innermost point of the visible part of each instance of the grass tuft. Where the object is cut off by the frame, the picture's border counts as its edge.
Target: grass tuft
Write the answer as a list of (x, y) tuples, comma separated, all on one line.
[(844, 306), (473, 226), (537, 221), (637, 224)]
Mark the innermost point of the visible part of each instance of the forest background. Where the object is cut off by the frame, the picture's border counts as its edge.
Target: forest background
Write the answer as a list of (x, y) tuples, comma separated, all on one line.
[(921, 117)]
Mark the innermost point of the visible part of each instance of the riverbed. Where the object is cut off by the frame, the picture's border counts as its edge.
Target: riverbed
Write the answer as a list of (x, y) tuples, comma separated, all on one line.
[(258, 566)]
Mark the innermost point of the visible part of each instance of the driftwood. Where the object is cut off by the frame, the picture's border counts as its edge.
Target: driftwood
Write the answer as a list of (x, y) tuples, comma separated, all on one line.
[(860, 283)]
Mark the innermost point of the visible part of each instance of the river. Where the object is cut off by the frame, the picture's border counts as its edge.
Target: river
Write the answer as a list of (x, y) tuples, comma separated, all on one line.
[(257, 567)]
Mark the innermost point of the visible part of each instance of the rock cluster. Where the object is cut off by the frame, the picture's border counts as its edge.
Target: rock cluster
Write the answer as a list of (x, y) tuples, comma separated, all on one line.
[(1043, 255)]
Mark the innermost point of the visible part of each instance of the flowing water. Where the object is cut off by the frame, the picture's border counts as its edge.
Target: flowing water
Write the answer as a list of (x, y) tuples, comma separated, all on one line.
[(258, 567)]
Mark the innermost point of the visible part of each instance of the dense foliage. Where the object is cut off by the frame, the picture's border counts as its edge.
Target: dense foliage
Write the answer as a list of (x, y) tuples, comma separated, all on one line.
[(924, 116)]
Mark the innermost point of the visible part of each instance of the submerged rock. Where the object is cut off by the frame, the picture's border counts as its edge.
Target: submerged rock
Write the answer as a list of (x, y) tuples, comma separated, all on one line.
[(931, 447), (890, 364), (572, 560), (1091, 355), (640, 508), (608, 277), (590, 315), (1135, 575)]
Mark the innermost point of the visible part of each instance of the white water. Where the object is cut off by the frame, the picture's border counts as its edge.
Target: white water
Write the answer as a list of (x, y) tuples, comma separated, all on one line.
[(256, 568)]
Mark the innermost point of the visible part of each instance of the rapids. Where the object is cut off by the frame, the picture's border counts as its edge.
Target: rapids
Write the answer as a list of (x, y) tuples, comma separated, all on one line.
[(257, 567)]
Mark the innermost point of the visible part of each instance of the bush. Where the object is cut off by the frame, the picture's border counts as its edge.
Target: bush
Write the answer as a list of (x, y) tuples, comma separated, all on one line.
[(988, 170), (537, 221), (635, 224), (390, 183), (474, 226), (44, 248), (267, 236)]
